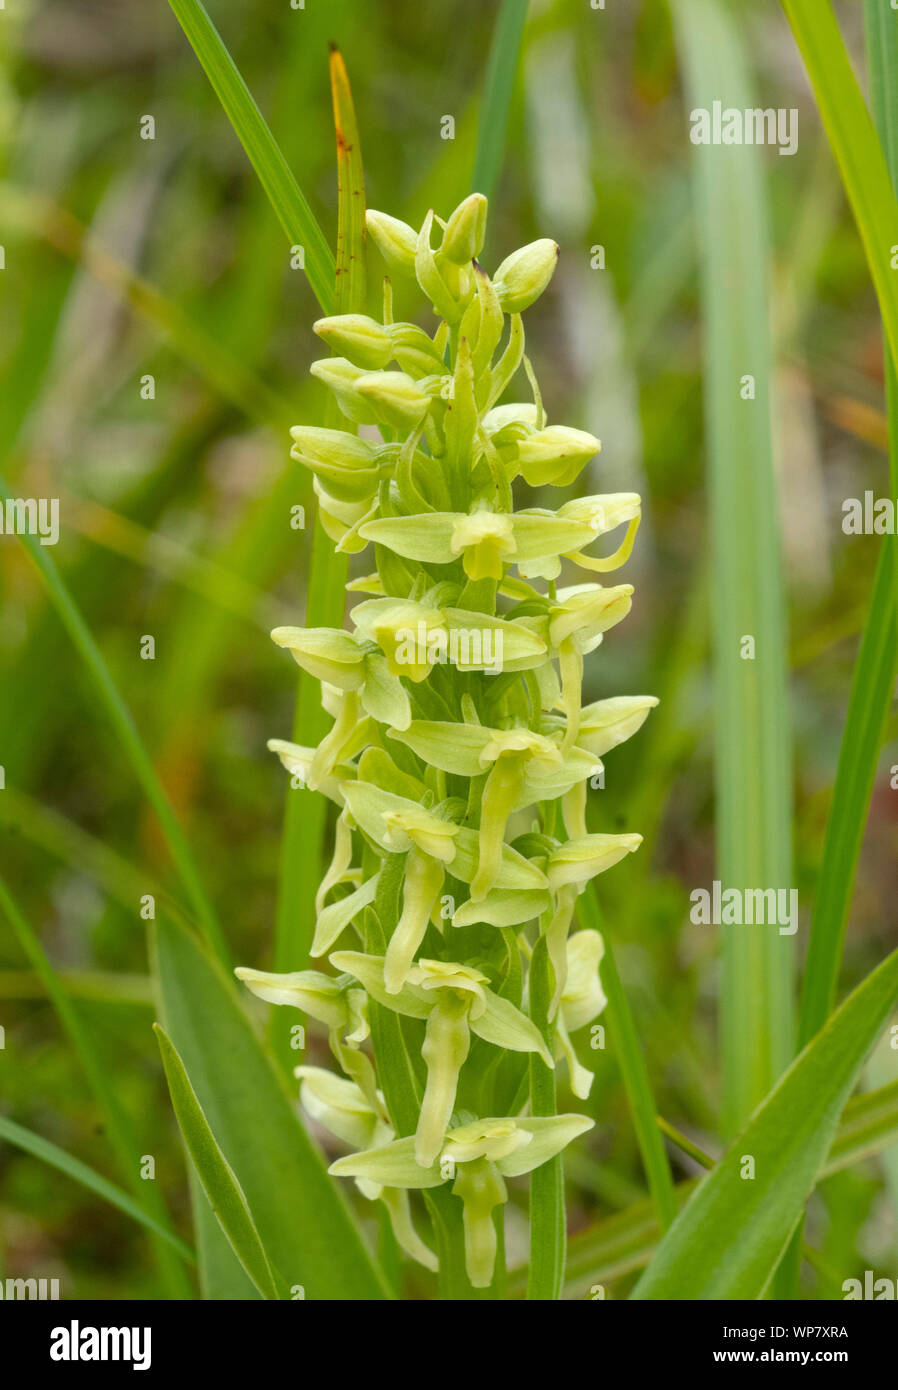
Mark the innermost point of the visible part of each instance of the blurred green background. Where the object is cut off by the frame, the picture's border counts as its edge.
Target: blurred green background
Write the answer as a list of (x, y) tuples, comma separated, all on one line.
[(175, 520)]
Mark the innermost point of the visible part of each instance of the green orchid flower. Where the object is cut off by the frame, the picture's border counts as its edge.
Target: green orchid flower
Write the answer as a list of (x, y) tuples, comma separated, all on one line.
[(337, 1003), (340, 1107), (363, 340), (342, 660), (607, 723), (456, 1002), (476, 1157), (521, 767), (346, 465), (484, 539), (582, 1000)]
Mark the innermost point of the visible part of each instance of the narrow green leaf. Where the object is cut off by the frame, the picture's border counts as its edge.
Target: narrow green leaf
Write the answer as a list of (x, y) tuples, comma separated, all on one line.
[(284, 193), (79, 1172), (498, 86), (868, 708), (751, 739), (302, 1218), (854, 143), (222, 1277), (874, 670), (869, 1124), (727, 1241), (219, 1181), (96, 986), (116, 1121), (351, 268), (870, 184), (882, 58), (634, 1072)]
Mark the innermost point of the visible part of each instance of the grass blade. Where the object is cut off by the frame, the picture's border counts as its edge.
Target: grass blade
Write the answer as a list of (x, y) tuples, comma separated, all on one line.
[(120, 717), (854, 143), (874, 671), (882, 60), (633, 1070), (351, 267), (498, 86), (284, 193), (728, 1239), (220, 1184), (868, 709), (79, 1172), (752, 740), (115, 1119), (95, 986)]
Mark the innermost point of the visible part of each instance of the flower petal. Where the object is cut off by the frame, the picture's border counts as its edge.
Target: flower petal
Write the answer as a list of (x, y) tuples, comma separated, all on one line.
[(501, 1023), (551, 1134), (369, 971), (392, 1165), (336, 917)]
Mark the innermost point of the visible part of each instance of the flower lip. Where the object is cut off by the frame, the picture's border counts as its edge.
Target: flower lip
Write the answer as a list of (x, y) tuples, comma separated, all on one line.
[(489, 1139)]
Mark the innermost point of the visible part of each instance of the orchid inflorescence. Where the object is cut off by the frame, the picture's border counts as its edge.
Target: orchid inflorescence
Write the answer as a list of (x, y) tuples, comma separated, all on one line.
[(461, 781)]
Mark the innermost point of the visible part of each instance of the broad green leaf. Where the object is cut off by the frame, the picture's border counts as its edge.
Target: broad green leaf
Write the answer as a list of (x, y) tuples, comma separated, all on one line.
[(219, 1182), (303, 1221), (728, 1240), (620, 1244)]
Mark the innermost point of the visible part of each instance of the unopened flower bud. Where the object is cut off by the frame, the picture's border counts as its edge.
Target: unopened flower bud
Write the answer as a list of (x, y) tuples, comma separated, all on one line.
[(396, 399), (555, 455), (340, 376), (346, 464), (522, 276), (415, 351), (465, 230), (395, 240), (356, 336)]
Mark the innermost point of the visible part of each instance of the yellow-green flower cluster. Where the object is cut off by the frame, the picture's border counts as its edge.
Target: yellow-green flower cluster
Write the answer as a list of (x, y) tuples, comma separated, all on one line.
[(459, 755)]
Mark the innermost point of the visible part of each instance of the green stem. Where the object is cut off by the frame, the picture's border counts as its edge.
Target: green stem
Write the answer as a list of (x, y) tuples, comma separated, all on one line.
[(634, 1072), (676, 1137), (548, 1232)]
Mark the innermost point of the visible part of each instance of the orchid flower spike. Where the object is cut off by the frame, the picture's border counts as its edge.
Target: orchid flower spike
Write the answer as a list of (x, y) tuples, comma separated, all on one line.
[(459, 752)]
